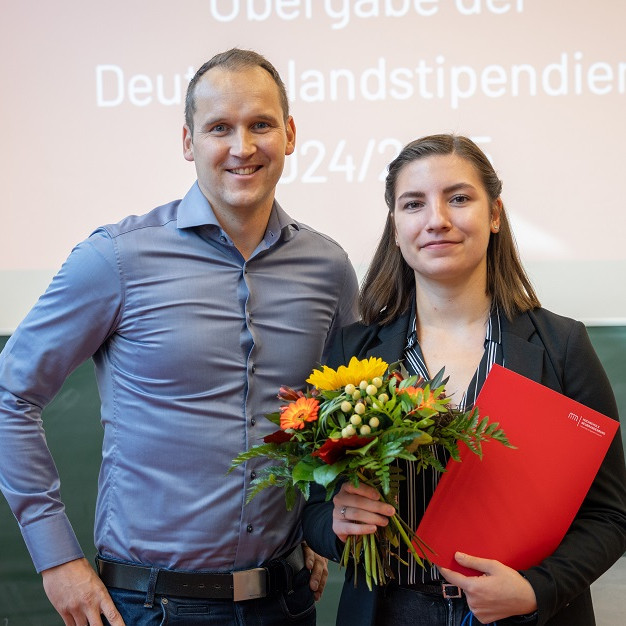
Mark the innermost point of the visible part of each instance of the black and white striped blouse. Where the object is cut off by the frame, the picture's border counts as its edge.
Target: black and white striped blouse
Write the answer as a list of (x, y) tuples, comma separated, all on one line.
[(416, 491)]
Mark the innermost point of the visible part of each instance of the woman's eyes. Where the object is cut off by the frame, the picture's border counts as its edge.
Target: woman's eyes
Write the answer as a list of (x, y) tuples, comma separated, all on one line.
[(412, 205), (459, 198), (415, 205)]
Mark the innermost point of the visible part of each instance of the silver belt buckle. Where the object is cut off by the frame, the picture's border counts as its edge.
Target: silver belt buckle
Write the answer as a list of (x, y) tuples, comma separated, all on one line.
[(451, 591), (249, 584)]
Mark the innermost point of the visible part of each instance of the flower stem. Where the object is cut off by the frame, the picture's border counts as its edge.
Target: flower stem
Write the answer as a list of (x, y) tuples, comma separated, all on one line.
[(409, 544), (367, 562)]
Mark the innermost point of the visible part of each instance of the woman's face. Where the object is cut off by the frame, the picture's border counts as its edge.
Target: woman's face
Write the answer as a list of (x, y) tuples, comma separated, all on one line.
[(443, 219)]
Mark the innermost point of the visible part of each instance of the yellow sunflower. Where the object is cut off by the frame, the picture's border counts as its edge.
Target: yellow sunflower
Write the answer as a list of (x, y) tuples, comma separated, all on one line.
[(328, 379), (295, 414)]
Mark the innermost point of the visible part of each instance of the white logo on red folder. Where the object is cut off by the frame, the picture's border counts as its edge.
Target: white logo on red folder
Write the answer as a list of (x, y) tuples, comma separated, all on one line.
[(574, 417), (587, 424)]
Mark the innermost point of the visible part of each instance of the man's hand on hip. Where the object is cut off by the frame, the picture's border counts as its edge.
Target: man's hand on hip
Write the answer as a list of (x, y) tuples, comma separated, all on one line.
[(78, 595), (318, 565)]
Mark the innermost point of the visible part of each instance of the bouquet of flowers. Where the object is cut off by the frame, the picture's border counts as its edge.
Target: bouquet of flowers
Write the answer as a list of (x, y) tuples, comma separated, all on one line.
[(353, 424)]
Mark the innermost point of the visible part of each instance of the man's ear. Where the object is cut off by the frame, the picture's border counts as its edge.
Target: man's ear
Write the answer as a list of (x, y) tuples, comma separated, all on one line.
[(187, 143), (290, 127)]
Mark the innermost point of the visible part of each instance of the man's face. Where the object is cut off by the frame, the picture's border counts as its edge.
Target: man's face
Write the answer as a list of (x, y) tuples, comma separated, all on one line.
[(239, 141)]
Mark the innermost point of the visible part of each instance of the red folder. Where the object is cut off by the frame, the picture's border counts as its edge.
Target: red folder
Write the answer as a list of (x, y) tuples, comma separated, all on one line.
[(515, 505)]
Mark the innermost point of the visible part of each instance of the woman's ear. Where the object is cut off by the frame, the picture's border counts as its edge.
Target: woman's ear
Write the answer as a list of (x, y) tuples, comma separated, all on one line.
[(496, 211)]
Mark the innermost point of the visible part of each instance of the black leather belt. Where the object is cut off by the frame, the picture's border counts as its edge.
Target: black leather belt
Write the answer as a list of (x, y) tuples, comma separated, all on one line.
[(259, 582), (442, 589)]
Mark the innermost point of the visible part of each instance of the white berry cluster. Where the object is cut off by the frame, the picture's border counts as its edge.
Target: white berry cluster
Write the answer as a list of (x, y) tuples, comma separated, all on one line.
[(356, 403)]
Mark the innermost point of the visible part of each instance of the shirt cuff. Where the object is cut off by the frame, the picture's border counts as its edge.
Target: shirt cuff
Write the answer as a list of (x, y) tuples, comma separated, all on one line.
[(51, 542)]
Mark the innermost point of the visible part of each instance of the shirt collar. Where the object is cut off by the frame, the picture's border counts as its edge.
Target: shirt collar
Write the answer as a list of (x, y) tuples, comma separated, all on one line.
[(195, 210)]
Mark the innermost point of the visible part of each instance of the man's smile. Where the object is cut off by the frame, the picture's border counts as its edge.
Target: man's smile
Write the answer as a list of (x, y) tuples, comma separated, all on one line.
[(244, 171)]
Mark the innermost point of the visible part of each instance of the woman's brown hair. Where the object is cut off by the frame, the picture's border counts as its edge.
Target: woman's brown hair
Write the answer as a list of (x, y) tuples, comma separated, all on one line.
[(389, 284)]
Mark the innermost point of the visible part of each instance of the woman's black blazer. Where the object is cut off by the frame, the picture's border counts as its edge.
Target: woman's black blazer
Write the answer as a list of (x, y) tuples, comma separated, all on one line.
[(556, 352)]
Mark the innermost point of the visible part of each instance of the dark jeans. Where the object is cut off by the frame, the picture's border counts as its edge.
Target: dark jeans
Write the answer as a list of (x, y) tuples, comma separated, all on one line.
[(406, 607), (297, 607)]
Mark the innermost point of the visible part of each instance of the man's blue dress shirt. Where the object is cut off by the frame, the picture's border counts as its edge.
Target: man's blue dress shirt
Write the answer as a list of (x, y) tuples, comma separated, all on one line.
[(191, 344)]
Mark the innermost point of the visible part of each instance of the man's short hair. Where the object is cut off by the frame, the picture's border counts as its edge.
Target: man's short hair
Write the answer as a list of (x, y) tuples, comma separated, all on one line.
[(234, 60)]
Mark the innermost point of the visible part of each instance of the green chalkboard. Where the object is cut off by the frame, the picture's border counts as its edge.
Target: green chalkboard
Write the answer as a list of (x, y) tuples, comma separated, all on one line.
[(75, 435)]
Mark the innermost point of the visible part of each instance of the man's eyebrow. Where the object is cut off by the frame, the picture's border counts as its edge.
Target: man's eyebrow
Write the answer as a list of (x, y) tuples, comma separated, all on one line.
[(211, 121), (265, 117)]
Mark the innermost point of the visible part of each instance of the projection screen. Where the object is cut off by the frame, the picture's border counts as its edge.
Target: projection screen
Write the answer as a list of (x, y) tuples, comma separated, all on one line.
[(92, 110)]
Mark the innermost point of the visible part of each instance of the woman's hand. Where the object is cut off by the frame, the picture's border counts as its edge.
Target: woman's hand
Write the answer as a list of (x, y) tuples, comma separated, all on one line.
[(359, 511), (500, 592)]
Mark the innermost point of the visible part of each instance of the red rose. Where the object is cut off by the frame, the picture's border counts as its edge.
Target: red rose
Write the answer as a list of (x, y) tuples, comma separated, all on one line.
[(280, 436), (333, 449)]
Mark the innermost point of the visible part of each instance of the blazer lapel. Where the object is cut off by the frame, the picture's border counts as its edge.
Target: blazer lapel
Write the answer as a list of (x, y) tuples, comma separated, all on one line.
[(520, 355), (390, 341)]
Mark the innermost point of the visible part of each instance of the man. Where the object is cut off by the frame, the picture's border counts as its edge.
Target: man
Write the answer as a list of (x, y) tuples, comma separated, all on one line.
[(194, 314)]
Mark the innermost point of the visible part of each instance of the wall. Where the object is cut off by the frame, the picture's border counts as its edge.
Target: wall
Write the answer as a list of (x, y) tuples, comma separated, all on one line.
[(94, 94)]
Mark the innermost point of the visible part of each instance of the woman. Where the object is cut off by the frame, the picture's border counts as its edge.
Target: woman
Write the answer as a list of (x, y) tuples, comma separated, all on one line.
[(446, 288)]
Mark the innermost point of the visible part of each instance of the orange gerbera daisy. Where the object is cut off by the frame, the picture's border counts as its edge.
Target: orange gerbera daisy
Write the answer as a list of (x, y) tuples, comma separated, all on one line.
[(421, 400), (295, 414)]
